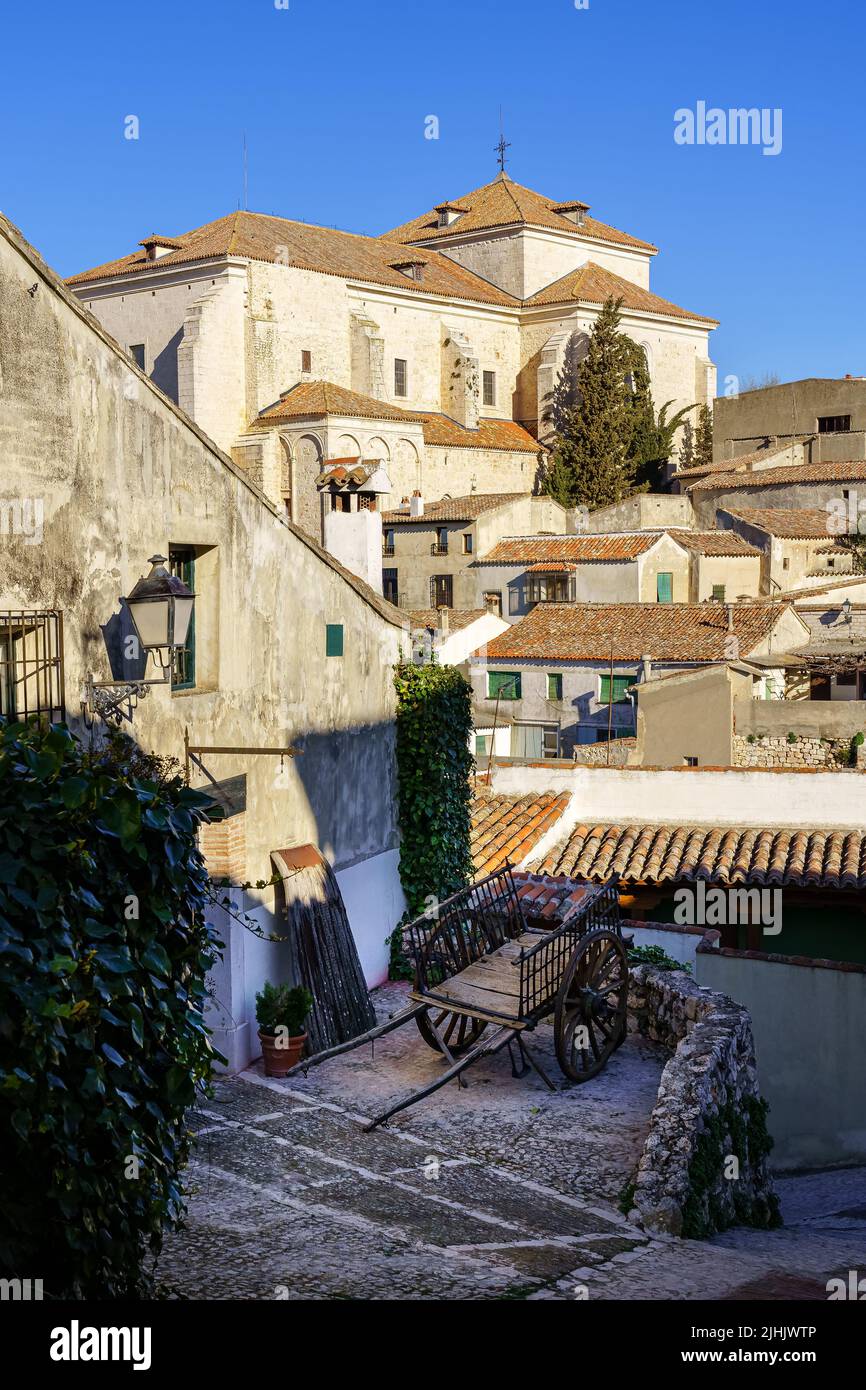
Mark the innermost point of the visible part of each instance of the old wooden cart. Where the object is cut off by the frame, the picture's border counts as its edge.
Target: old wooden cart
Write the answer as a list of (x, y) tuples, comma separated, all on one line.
[(484, 978)]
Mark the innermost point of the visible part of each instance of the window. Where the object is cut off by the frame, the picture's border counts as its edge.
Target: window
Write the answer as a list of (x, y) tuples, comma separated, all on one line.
[(467, 542), (620, 689), (690, 762), (441, 591), (493, 602), (31, 664), (834, 424), (505, 684), (181, 561), (786, 563), (306, 360), (389, 585), (136, 352), (554, 685), (664, 587), (387, 541), (488, 388), (482, 745), (846, 678), (400, 376), (513, 601), (534, 740), (547, 588), (719, 593), (440, 545), (333, 639)]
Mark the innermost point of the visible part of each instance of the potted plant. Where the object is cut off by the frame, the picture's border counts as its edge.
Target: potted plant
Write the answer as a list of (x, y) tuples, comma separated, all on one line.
[(280, 1014)]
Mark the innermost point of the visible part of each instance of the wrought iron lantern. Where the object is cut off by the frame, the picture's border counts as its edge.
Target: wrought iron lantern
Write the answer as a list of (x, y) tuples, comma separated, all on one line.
[(161, 607)]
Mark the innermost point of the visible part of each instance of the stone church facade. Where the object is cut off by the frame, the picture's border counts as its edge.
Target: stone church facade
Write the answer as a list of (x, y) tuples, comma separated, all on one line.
[(432, 349)]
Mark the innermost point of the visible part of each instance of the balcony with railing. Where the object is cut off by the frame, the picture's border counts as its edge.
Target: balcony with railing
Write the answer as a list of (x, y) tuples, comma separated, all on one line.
[(439, 548)]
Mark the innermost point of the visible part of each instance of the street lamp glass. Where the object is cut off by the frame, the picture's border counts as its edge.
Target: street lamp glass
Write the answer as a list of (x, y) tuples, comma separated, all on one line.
[(161, 607)]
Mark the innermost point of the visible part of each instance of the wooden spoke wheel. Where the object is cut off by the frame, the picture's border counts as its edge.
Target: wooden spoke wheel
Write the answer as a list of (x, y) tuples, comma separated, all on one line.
[(590, 1017), (457, 1031)]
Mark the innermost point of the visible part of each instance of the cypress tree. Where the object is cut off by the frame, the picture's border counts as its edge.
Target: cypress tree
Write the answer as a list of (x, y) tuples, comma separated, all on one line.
[(704, 437)]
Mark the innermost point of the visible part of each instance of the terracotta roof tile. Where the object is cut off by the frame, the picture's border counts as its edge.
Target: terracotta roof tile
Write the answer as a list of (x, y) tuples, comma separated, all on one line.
[(457, 617), (688, 632), (504, 203), (455, 508), (314, 398), (808, 523), (509, 827), (302, 246), (580, 549), (592, 284), (851, 469), (670, 853), (715, 542)]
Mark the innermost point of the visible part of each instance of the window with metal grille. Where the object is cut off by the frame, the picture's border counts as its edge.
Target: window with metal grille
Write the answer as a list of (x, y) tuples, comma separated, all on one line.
[(306, 360), (834, 424), (489, 388), (181, 561), (31, 664), (441, 591), (400, 376)]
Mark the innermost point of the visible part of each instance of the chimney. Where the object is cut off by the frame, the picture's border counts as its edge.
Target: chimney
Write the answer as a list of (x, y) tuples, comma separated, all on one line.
[(416, 506), (404, 504), (729, 609), (444, 622), (647, 664)]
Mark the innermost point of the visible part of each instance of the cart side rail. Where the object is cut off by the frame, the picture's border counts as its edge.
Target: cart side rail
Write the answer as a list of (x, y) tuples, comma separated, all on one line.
[(468, 925), (543, 965)]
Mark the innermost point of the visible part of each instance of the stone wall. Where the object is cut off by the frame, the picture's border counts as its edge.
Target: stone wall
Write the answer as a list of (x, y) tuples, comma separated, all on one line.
[(800, 752), (704, 1165), (596, 754)]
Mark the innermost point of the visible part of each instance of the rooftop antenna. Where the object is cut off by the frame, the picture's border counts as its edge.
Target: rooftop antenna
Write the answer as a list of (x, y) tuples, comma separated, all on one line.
[(246, 173), (503, 145)]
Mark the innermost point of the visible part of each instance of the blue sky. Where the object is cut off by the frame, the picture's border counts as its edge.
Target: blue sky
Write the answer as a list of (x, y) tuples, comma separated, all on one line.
[(333, 96)]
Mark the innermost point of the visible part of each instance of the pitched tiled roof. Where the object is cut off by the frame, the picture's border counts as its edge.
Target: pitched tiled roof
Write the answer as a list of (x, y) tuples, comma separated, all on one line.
[(743, 462), (665, 631), (313, 398), (278, 240), (509, 827), (324, 398), (714, 543), (504, 203), (457, 617), (580, 549), (851, 470), (667, 853), (807, 523), (456, 508), (592, 284)]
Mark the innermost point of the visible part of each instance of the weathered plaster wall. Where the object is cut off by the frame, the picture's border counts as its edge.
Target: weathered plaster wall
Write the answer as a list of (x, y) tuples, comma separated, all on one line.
[(122, 474)]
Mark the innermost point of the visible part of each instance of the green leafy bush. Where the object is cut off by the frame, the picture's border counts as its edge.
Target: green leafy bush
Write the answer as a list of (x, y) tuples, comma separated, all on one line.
[(856, 742), (434, 763), (792, 737), (283, 1006), (103, 955), (654, 956)]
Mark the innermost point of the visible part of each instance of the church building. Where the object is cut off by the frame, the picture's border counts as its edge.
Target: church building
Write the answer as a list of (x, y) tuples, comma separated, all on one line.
[(430, 352)]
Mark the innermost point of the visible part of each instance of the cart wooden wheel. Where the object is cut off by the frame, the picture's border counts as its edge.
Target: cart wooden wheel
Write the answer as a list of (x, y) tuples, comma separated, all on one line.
[(459, 1032), (590, 1017)]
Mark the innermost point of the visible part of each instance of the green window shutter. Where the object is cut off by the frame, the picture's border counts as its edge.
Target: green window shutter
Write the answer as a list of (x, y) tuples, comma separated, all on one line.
[(554, 686), (505, 684), (719, 592), (665, 587), (182, 563), (620, 689), (334, 639)]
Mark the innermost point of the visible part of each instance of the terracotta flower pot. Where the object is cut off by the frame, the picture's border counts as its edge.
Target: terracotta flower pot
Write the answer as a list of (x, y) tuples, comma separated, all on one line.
[(281, 1054)]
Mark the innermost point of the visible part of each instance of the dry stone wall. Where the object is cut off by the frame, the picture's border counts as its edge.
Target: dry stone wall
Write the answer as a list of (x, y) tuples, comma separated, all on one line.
[(705, 1162), (799, 752)]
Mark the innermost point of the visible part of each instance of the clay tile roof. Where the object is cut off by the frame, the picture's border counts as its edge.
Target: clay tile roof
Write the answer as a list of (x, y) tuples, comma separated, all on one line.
[(317, 398), (713, 542), (808, 523), (457, 617), (757, 856), (278, 240), (456, 508), (509, 827), (592, 284), (580, 549), (688, 632), (504, 203), (850, 470)]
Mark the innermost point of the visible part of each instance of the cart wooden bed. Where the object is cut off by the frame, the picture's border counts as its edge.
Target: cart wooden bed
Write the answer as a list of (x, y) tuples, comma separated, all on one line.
[(484, 978)]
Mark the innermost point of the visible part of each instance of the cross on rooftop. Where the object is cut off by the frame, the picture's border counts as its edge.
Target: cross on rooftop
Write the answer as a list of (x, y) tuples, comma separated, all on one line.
[(502, 147)]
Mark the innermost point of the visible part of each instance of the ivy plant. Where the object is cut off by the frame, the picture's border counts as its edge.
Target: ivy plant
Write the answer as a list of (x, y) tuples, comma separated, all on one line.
[(104, 949)]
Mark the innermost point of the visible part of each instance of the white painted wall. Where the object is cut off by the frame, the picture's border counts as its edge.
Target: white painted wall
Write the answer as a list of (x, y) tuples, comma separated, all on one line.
[(374, 902)]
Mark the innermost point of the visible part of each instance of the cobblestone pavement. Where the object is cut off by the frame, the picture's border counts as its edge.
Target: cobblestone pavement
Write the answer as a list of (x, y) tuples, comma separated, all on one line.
[(502, 1190)]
